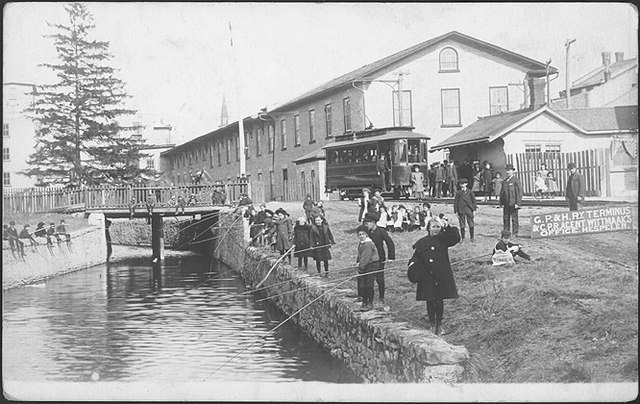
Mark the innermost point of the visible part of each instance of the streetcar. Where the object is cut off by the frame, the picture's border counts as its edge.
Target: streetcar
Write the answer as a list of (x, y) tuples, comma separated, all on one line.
[(352, 161)]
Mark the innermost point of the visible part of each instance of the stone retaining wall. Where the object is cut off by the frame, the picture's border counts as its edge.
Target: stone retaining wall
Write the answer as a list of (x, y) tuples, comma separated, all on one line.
[(371, 343), (88, 248)]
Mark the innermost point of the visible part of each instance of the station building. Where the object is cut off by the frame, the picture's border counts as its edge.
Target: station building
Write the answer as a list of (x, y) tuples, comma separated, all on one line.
[(437, 86)]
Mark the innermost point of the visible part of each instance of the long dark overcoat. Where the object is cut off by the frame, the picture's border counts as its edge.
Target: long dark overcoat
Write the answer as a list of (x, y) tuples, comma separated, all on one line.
[(283, 229), (432, 257), (321, 240), (302, 240)]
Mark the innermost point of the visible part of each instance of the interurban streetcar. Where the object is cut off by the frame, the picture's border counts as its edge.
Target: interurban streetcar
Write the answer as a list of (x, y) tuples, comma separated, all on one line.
[(352, 160)]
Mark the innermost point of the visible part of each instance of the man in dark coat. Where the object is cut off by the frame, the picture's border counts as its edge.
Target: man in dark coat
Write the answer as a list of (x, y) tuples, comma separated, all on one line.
[(383, 171), (450, 178), (464, 204), (379, 236), (510, 200), (14, 238), (302, 241), (431, 174), (575, 187), (431, 254), (439, 179)]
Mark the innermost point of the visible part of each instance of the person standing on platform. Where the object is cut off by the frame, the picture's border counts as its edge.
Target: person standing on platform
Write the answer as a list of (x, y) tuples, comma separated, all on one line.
[(439, 179), (510, 200), (464, 205), (450, 179), (575, 187), (417, 183), (485, 180), (383, 171)]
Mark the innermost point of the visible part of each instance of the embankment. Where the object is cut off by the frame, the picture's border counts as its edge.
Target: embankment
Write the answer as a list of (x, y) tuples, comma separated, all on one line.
[(371, 343)]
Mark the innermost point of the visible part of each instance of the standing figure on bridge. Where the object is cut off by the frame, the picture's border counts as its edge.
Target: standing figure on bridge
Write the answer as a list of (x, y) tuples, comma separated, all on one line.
[(575, 187), (383, 171), (510, 199), (132, 207), (151, 203), (180, 203), (193, 200)]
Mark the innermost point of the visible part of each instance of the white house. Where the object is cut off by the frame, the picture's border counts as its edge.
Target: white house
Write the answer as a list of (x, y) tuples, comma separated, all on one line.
[(18, 134)]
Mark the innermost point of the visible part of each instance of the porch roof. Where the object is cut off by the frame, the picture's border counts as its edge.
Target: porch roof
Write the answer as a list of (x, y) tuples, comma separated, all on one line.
[(317, 154)]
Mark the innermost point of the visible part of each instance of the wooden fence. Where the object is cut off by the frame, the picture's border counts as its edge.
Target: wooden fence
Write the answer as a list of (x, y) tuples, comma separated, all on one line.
[(593, 164), (51, 199)]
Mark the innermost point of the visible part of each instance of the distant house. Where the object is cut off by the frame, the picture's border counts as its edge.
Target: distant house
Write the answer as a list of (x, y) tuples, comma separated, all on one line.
[(529, 137), (609, 85), (437, 86)]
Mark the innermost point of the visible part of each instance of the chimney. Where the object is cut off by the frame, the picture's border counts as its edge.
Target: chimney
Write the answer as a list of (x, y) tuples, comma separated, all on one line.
[(606, 58), (537, 92), (619, 56), (224, 114)]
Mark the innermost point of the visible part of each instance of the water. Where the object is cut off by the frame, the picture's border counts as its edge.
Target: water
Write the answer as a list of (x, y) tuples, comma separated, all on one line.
[(128, 321)]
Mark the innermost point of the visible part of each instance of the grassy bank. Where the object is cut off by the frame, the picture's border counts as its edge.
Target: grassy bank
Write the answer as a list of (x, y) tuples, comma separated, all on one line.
[(571, 315)]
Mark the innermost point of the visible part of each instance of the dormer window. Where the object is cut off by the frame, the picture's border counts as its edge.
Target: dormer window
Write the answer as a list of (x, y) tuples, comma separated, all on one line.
[(448, 60)]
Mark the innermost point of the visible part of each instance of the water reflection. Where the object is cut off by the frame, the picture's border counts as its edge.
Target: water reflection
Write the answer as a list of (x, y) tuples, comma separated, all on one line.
[(133, 321)]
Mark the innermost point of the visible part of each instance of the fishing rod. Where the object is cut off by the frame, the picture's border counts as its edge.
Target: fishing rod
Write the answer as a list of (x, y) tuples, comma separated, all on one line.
[(274, 265), (272, 330)]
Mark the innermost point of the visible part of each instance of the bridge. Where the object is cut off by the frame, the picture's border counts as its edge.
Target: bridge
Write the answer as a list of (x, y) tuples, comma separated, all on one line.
[(116, 202)]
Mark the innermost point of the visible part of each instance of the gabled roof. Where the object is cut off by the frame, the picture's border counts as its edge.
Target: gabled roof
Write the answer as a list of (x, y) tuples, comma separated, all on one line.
[(586, 121), (370, 70), (596, 77), (482, 129), (600, 119), (317, 154)]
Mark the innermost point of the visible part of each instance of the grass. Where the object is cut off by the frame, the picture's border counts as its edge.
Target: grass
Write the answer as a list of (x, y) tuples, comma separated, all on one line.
[(570, 316)]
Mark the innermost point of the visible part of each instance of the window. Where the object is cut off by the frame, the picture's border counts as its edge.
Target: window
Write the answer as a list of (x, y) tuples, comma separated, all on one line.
[(448, 60), (190, 158), (151, 163), (258, 141), (272, 139), (6, 179), (212, 147), (259, 176), (407, 114), (450, 107), (5, 130), (346, 109), (5, 154), (498, 100), (552, 148), (296, 129), (328, 120), (219, 150), (283, 134), (236, 141), (228, 142), (312, 126), (532, 148)]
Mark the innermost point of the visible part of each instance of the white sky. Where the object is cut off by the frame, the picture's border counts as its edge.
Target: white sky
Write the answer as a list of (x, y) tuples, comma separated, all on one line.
[(177, 62)]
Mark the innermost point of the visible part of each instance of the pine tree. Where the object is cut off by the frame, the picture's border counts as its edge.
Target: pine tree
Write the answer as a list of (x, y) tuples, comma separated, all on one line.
[(78, 138)]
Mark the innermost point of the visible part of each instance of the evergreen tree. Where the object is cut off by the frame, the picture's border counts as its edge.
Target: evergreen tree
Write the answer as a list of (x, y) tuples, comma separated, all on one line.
[(78, 138)]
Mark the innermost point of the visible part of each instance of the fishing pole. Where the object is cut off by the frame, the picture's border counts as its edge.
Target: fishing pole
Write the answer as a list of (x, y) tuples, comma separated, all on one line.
[(274, 265), (272, 330)]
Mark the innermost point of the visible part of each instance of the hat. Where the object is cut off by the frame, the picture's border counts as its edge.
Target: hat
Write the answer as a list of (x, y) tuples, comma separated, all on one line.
[(505, 234), (571, 165), (509, 167), (366, 190), (370, 217), (280, 210), (362, 228), (463, 181)]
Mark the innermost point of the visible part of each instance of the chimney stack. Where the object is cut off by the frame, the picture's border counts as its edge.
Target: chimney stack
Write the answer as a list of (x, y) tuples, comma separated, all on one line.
[(537, 87), (606, 58), (619, 56)]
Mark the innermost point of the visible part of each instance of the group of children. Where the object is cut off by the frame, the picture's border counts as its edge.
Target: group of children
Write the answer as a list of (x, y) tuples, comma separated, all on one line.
[(396, 218), (545, 182), (17, 240)]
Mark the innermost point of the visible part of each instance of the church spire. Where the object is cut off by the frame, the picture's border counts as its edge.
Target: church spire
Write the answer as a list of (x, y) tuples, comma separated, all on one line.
[(224, 114)]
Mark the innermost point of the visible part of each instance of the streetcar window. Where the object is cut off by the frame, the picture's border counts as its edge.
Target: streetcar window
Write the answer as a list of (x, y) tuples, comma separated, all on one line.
[(414, 151), (400, 155)]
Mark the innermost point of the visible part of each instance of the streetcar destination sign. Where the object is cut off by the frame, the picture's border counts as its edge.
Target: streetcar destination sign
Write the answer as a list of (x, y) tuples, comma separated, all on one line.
[(594, 220)]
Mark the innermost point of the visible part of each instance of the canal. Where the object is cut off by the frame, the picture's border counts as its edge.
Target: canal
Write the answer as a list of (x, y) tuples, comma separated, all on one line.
[(186, 320)]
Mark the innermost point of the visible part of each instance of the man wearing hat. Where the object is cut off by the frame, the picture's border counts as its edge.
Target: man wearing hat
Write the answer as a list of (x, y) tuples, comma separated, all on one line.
[(575, 187), (510, 200), (379, 236), (464, 204)]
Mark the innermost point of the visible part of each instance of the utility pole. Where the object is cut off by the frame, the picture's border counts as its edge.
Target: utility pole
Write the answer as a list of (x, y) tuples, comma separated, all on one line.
[(547, 69), (241, 144), (400, 100), (567, 45)]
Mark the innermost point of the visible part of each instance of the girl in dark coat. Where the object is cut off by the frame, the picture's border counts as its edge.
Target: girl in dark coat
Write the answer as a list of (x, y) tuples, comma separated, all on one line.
[(283, 232), (485, 180), (302, 240), (308, 205), (321, 240), (432, 257)]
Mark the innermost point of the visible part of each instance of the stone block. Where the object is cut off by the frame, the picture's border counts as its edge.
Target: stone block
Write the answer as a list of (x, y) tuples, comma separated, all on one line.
[(441, 374)]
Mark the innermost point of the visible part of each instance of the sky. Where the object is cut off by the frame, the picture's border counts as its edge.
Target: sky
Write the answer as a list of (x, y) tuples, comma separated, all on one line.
[(178, 64)]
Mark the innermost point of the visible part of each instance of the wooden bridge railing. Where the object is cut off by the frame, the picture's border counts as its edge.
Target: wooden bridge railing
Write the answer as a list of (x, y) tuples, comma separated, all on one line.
[(50, 199)]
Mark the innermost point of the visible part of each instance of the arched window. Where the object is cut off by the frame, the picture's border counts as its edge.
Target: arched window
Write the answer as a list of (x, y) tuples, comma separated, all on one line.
[(448, 60)]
